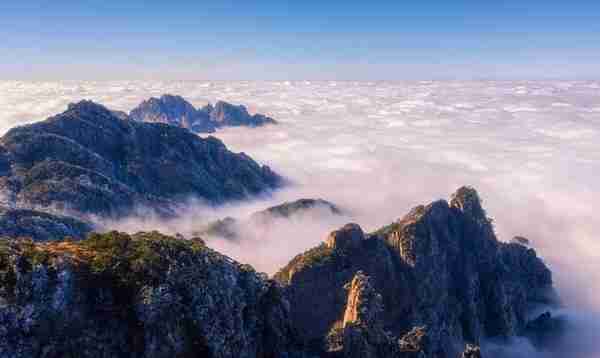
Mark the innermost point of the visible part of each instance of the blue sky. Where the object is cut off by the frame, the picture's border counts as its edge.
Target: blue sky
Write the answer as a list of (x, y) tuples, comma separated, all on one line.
[(288, 40)]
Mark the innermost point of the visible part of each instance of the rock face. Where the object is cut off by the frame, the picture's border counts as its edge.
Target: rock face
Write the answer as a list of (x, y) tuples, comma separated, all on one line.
[(175, 110), (146, 296), (442, 275), (431, 285), (89, 161), (346, 238), (363, 332), (40, 226), (226, 114)]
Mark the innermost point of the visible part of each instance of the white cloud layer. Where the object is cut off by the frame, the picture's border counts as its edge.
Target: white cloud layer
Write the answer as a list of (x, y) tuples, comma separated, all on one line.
[(379, 148)]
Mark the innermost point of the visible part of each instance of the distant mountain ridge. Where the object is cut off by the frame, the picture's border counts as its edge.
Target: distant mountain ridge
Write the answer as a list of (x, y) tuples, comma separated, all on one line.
[(230, 228), (88, 160), (177, 111)]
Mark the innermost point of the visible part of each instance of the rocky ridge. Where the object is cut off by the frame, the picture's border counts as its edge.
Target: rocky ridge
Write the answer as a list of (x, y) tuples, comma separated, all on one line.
[(434, 284), (175, 110), (439, 272), (230, 228), (87, 161)]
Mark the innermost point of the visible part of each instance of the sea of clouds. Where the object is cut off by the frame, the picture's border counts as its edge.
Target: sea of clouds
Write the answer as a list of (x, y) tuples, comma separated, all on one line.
[(377, 149)]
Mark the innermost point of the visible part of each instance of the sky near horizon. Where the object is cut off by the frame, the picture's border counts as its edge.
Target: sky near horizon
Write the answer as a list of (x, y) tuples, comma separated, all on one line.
[(293, 40)]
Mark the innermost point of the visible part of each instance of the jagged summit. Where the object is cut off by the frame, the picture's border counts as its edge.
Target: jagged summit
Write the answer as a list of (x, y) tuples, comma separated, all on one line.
[(87, 160), (467, 199), (175, 110), (439, 267), (349, 236), (434, 285), (227, 114)]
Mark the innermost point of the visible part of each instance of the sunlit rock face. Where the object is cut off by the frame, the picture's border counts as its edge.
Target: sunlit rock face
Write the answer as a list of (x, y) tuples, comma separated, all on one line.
[(440, 268), (362, 327), (175, 110), (87, 160)]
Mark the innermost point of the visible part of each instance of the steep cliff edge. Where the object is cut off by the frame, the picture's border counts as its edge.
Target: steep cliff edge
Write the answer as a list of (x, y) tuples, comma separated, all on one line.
[(440, 271)]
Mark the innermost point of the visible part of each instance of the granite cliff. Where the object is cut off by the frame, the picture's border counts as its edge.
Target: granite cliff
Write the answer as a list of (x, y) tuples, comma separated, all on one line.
[(434, 284)]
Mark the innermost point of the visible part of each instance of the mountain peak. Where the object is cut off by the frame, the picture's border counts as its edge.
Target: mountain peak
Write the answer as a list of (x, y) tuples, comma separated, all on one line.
[(349, 236), (177, 111), (467, 200), (87, 106), (87, 160)]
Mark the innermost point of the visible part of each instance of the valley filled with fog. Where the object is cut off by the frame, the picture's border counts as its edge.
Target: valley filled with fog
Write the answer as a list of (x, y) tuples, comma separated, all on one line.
[(377, 149)]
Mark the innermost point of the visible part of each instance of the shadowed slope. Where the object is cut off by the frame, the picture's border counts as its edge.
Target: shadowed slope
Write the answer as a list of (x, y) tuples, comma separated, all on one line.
[(88, 160)]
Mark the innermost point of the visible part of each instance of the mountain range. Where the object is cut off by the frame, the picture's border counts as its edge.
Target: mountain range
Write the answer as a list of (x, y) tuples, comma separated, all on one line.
[(436, 283), (89, 161), (175, 110)]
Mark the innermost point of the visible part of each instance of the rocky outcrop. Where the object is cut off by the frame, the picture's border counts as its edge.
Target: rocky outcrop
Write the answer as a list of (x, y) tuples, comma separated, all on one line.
[(329, 267), (231, 228), (347, 238), (363, 332), (175, 110), (226, 114), (146, 295), (434, 284), (440, 268), (88, 161), (296, 207), (39, 226)]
